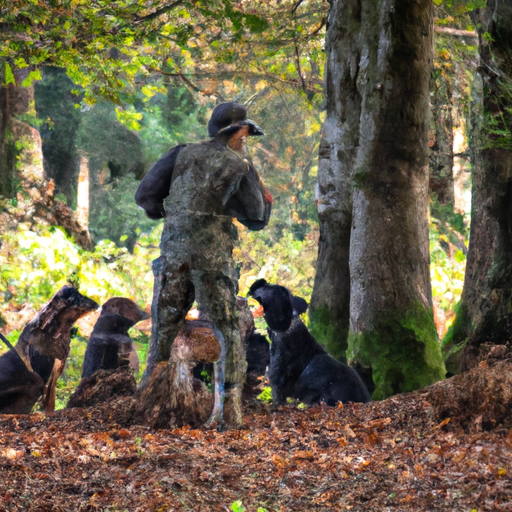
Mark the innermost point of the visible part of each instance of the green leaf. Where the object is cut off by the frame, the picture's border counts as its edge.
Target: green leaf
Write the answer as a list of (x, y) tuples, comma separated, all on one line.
[(31, 78), (9, 75), (20, 63), (237, 506)]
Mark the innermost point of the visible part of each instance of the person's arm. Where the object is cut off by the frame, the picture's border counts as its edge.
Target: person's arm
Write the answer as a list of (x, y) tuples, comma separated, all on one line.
[(154, 187), (251, 203)]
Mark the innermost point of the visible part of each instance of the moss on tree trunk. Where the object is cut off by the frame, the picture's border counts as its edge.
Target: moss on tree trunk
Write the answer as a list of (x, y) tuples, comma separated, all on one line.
[(402, 349), (329, 308), (375, 179), (485, 312)]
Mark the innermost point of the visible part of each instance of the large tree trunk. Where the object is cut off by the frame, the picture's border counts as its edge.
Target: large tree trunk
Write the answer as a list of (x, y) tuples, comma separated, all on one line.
[(391, 323), (379, 58), (485, 310), (329, 308)]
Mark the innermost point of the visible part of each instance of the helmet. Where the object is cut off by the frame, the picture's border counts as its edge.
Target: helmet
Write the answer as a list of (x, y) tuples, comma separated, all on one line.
[(227, 118)]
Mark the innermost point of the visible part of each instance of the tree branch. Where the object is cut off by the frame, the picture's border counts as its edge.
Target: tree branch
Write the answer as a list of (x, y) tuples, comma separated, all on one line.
[(456, 32), (158, 12), (296, 6), (229, 74)]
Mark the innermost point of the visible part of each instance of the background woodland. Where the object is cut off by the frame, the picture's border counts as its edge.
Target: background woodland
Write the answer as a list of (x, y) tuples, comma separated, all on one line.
[(93, 94)]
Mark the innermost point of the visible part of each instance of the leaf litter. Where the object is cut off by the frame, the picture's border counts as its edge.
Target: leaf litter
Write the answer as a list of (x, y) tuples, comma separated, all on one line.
[(382, 456)]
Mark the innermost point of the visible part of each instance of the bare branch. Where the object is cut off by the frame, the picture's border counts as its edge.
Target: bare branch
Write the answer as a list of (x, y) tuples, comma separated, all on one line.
[(299, 69), (456, 32), (229, 74)]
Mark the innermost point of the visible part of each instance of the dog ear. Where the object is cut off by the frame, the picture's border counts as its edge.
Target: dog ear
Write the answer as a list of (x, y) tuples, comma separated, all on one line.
[(256, 286), (299, 304)]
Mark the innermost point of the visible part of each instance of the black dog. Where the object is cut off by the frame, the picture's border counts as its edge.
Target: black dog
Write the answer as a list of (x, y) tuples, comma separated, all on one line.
[(299, 366), (19, 387)]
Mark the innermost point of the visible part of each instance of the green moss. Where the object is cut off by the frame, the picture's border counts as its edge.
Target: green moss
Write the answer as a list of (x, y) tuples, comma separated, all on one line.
[(328, 333), (360, 179), (452, 359), (402, 350), (456, 338)]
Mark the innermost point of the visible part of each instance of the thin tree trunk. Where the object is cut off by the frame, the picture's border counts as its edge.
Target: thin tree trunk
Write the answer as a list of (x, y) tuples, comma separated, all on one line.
[(485, 311), (391, 323), (441, 142), (82, 194)]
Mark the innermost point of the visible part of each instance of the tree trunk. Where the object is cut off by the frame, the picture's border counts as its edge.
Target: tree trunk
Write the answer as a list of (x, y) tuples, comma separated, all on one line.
[(55, 104), (329, 308), (82, 194), (485, 310), (441, 140), (20, 144), (21, 167), (392, 332)]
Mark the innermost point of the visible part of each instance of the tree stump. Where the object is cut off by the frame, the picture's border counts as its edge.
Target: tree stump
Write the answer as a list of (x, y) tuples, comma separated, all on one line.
[(173, 397)]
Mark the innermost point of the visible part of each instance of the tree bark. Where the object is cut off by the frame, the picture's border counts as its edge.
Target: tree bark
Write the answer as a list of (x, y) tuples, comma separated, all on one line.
[(441, 141), (485, 310), (20, 144), (379, 59), (55, 104), (329, 308), (21, 167)]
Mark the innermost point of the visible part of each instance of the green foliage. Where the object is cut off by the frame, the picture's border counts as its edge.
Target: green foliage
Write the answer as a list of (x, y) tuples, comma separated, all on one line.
[(237, 506), (115, 216), (107, 47), (456, 10), (497, 125), (171, 116), (285, 260), (34, 265), (72, 373), (448, 239), (108, 143), (265, 395)]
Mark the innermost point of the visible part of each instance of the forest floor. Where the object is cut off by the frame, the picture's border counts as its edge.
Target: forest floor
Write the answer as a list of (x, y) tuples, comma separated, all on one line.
[(388, 455)]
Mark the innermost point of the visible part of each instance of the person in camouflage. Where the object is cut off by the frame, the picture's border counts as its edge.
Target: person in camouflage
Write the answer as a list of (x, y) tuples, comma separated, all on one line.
[(212, 182)]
